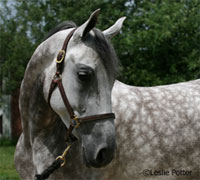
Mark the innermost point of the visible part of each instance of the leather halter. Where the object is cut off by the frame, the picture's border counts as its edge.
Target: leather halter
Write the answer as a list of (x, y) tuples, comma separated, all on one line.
[(57, 82), (75, 120)]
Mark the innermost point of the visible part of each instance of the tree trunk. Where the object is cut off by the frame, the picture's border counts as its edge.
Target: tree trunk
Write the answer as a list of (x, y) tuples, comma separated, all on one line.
[(16, 127)]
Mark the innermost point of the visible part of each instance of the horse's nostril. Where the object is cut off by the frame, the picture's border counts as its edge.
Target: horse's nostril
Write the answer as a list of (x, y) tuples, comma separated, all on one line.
[(101, 156)]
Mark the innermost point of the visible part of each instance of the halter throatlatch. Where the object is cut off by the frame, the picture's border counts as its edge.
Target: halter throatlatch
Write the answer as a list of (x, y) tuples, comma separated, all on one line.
[(75, 121)]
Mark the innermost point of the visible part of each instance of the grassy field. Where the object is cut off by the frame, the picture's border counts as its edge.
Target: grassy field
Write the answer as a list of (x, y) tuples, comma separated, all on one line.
[(7, 169)]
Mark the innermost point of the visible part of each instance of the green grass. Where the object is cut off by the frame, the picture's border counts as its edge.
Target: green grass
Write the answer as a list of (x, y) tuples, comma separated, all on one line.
[(7, 169)]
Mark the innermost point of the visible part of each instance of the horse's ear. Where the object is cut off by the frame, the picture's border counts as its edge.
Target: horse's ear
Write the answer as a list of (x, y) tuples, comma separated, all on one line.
[(114, 29), (88, 25)]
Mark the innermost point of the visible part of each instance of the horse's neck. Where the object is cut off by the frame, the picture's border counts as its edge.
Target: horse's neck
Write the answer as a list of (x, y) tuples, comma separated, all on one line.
[(31, 94), (35, 113), (42, 128)]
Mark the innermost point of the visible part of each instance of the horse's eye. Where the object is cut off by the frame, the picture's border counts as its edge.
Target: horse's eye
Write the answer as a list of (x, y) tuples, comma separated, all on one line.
[(84, 75)]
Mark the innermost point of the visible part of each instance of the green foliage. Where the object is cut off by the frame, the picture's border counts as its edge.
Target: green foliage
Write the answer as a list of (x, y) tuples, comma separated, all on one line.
[(163, 43), (15, 48), (159, 42)]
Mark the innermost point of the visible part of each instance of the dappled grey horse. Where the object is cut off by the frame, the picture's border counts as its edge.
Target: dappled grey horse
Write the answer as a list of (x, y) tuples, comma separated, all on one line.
[(156, 132)]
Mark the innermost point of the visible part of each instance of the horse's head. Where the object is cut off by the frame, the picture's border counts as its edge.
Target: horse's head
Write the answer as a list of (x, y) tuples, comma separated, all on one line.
[(89, 72)]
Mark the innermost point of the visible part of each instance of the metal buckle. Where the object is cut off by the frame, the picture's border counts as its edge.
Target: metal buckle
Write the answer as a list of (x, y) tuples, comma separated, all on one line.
[(63, 155), (76, 119), (62, 52)]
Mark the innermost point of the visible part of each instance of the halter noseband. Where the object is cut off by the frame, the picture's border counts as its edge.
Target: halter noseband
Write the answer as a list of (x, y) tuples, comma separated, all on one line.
[(57, 82)]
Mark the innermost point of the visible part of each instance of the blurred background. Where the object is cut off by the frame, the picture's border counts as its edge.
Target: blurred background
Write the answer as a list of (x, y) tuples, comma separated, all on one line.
[(158, 44)]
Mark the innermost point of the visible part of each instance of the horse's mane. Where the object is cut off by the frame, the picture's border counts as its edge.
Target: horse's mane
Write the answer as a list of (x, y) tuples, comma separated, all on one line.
[(62, 26), (103, 46), (106, 52)]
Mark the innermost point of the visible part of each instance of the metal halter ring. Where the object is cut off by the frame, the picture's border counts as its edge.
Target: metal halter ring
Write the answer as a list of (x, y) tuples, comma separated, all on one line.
[(76, 119), (62, 52)]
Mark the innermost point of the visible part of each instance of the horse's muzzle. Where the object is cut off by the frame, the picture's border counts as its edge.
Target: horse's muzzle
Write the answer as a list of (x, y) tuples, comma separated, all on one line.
[(98, 142)]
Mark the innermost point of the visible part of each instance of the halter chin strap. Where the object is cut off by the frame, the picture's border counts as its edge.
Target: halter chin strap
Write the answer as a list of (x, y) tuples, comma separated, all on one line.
[(57, 82)]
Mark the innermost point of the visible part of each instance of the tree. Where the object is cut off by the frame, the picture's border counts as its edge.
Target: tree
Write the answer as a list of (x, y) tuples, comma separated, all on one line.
[(15, 48), (159, 43)]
